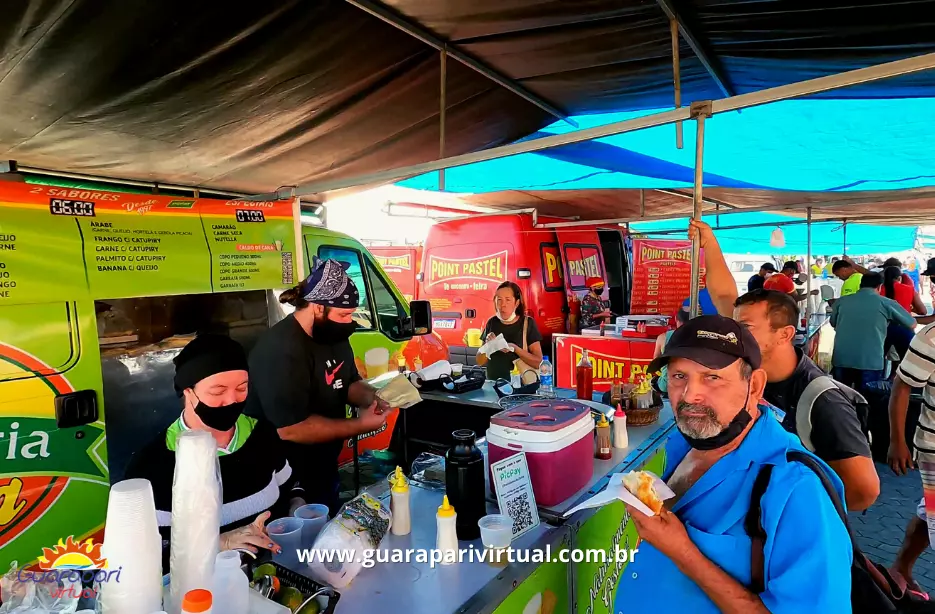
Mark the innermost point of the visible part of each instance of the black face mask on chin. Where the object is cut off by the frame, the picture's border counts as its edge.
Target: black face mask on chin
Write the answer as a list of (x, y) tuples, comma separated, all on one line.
[(329, 332), (221, 418), (729, 434)]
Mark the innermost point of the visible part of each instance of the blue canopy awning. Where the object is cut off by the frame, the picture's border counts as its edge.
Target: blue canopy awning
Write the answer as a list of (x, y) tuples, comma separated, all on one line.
[(813, 145)]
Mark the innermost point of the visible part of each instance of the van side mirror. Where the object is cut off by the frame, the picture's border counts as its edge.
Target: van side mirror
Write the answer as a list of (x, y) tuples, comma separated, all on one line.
[(420, 314)]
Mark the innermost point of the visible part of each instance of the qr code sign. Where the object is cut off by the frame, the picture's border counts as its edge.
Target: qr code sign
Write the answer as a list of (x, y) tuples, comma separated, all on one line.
[(518, 509)]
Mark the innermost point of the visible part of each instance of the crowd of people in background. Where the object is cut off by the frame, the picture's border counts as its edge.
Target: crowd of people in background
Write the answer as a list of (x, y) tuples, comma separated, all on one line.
[(875, 317)]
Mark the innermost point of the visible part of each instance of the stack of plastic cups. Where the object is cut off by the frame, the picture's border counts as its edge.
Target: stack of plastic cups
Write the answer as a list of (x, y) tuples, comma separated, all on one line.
[(196, 516), (133, 549)]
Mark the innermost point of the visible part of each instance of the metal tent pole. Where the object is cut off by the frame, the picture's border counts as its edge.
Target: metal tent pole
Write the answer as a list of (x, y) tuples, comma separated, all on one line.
[(441, 116), (808, 270), (844, 248), (676, 79), (700, 111), (784, 92)]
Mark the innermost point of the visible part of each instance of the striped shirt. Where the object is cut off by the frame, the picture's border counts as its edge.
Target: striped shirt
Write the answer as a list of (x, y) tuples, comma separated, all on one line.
[(918, 371)]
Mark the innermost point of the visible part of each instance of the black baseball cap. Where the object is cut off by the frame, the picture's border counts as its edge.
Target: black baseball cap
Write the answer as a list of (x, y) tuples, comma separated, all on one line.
[(713, 341), (768, 266), (929, 268)]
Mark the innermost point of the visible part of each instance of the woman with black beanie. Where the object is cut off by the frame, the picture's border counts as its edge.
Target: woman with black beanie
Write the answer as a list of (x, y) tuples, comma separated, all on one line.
[(257, 483)]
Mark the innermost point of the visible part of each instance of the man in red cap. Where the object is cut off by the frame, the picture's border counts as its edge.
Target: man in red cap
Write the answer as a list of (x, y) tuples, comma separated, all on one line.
[(593, 309), (781, 283)]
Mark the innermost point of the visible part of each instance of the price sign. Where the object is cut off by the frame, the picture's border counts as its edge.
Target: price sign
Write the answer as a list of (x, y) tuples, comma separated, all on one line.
[(83, 208), (514, 493), (250, 215)]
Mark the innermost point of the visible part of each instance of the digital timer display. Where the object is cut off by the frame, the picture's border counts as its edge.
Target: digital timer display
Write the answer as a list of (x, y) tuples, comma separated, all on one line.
[(250, 215), (82, 208)]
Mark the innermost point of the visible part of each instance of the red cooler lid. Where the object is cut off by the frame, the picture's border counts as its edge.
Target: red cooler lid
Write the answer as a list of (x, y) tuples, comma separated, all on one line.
[(542, 415)]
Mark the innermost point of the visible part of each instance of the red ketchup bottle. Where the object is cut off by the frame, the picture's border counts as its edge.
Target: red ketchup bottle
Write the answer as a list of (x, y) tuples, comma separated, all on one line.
[(584, 377)]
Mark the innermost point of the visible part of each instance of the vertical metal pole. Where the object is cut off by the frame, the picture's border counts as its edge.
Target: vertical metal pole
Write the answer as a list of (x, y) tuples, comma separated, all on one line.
[(845, 238), (700, 111), (441, 115), (808, 271), (676, 78)]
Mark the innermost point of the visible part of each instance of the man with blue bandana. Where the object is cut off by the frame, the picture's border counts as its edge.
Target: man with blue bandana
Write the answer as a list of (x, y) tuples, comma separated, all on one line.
[(302, 377)]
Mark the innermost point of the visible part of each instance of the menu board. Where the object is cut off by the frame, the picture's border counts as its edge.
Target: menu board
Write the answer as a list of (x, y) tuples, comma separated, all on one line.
[(66, 242), (138, 243), (34, 266), (251, 244), (661, 275)]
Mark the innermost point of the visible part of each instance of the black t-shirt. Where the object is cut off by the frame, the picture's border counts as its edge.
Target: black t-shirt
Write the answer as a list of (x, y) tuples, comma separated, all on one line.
[(501, 363), (755, 283), (836, 432), (293, 377)]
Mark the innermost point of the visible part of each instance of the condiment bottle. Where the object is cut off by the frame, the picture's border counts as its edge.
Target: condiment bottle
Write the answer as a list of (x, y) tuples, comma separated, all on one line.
[(621, 440), (616, 391), (401, 364), (644, 395), (584, 377), (603, 439), (399, 504), (465, 483), (417, 364), (446, 520), (515, 378), (603, 324), (197, 601)]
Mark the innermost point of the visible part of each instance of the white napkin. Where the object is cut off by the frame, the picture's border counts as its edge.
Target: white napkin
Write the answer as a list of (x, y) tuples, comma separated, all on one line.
[(617, 491), (435, 371), (497, 344)]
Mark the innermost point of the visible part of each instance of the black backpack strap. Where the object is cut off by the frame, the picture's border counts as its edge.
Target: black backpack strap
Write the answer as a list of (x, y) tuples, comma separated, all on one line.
[(753, 525), (810, 462)]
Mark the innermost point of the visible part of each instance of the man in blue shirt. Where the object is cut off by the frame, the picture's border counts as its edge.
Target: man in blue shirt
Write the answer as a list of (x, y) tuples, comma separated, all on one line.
[(695, 555), (861, 322)]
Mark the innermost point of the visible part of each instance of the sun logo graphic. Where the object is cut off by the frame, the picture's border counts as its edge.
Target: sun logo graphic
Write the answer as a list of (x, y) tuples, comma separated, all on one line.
[(72, 555)]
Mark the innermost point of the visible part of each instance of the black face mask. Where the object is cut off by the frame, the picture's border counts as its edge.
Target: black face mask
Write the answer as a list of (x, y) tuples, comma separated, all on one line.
[(732, 432), (329, 332), (222, 418)]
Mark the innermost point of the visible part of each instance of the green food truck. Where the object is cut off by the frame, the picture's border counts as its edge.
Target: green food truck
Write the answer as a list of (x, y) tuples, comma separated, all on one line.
[(98, 293)]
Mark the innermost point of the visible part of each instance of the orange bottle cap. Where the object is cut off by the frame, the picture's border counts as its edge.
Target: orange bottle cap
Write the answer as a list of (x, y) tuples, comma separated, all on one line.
[(198, 600)]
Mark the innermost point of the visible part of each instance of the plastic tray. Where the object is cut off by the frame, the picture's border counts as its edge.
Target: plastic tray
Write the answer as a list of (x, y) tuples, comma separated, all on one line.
[(309, 587)]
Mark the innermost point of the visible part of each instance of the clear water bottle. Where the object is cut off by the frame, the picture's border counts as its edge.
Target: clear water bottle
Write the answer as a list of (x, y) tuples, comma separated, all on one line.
[(546, 388)]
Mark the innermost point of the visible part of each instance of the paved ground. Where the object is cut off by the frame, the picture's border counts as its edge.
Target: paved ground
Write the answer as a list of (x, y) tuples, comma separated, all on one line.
[(880, 530)]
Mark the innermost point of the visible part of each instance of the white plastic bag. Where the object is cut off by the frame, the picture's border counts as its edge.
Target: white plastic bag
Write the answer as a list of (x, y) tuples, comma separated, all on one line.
[(39, 592), (360, 526)]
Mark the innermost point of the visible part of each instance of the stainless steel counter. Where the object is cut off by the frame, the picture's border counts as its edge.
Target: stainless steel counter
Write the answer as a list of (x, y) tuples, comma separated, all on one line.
[(469, 587), (417, 588), (640, 438), (483, 397)]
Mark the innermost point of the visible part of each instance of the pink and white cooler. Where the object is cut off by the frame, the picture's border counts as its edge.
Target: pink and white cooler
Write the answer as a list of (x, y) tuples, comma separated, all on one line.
[(556, 435)]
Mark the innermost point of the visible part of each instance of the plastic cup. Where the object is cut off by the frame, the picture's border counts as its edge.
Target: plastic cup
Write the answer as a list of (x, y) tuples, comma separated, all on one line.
[(377, 361), (496, 530), (456, 370), (287, 533), (314, 516)]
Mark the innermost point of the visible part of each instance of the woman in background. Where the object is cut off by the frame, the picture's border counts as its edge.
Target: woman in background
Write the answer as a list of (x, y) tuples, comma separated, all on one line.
[(519, 330), (894, 288)]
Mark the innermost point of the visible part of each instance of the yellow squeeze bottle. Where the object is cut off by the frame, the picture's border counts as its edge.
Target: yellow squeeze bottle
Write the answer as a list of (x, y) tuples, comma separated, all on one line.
[(399, 504), (447, 538)]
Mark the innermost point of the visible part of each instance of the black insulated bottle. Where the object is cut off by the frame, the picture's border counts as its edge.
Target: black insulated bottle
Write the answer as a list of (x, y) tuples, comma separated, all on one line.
[(464, 483)]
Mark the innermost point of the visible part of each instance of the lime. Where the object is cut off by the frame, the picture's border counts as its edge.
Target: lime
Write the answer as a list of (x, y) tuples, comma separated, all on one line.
[(290, 597), (266, 569), (311, 607)]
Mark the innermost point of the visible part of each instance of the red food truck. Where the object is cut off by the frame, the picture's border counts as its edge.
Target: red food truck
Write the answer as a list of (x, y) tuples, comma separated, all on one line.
[(465, 259), (402, 264)]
